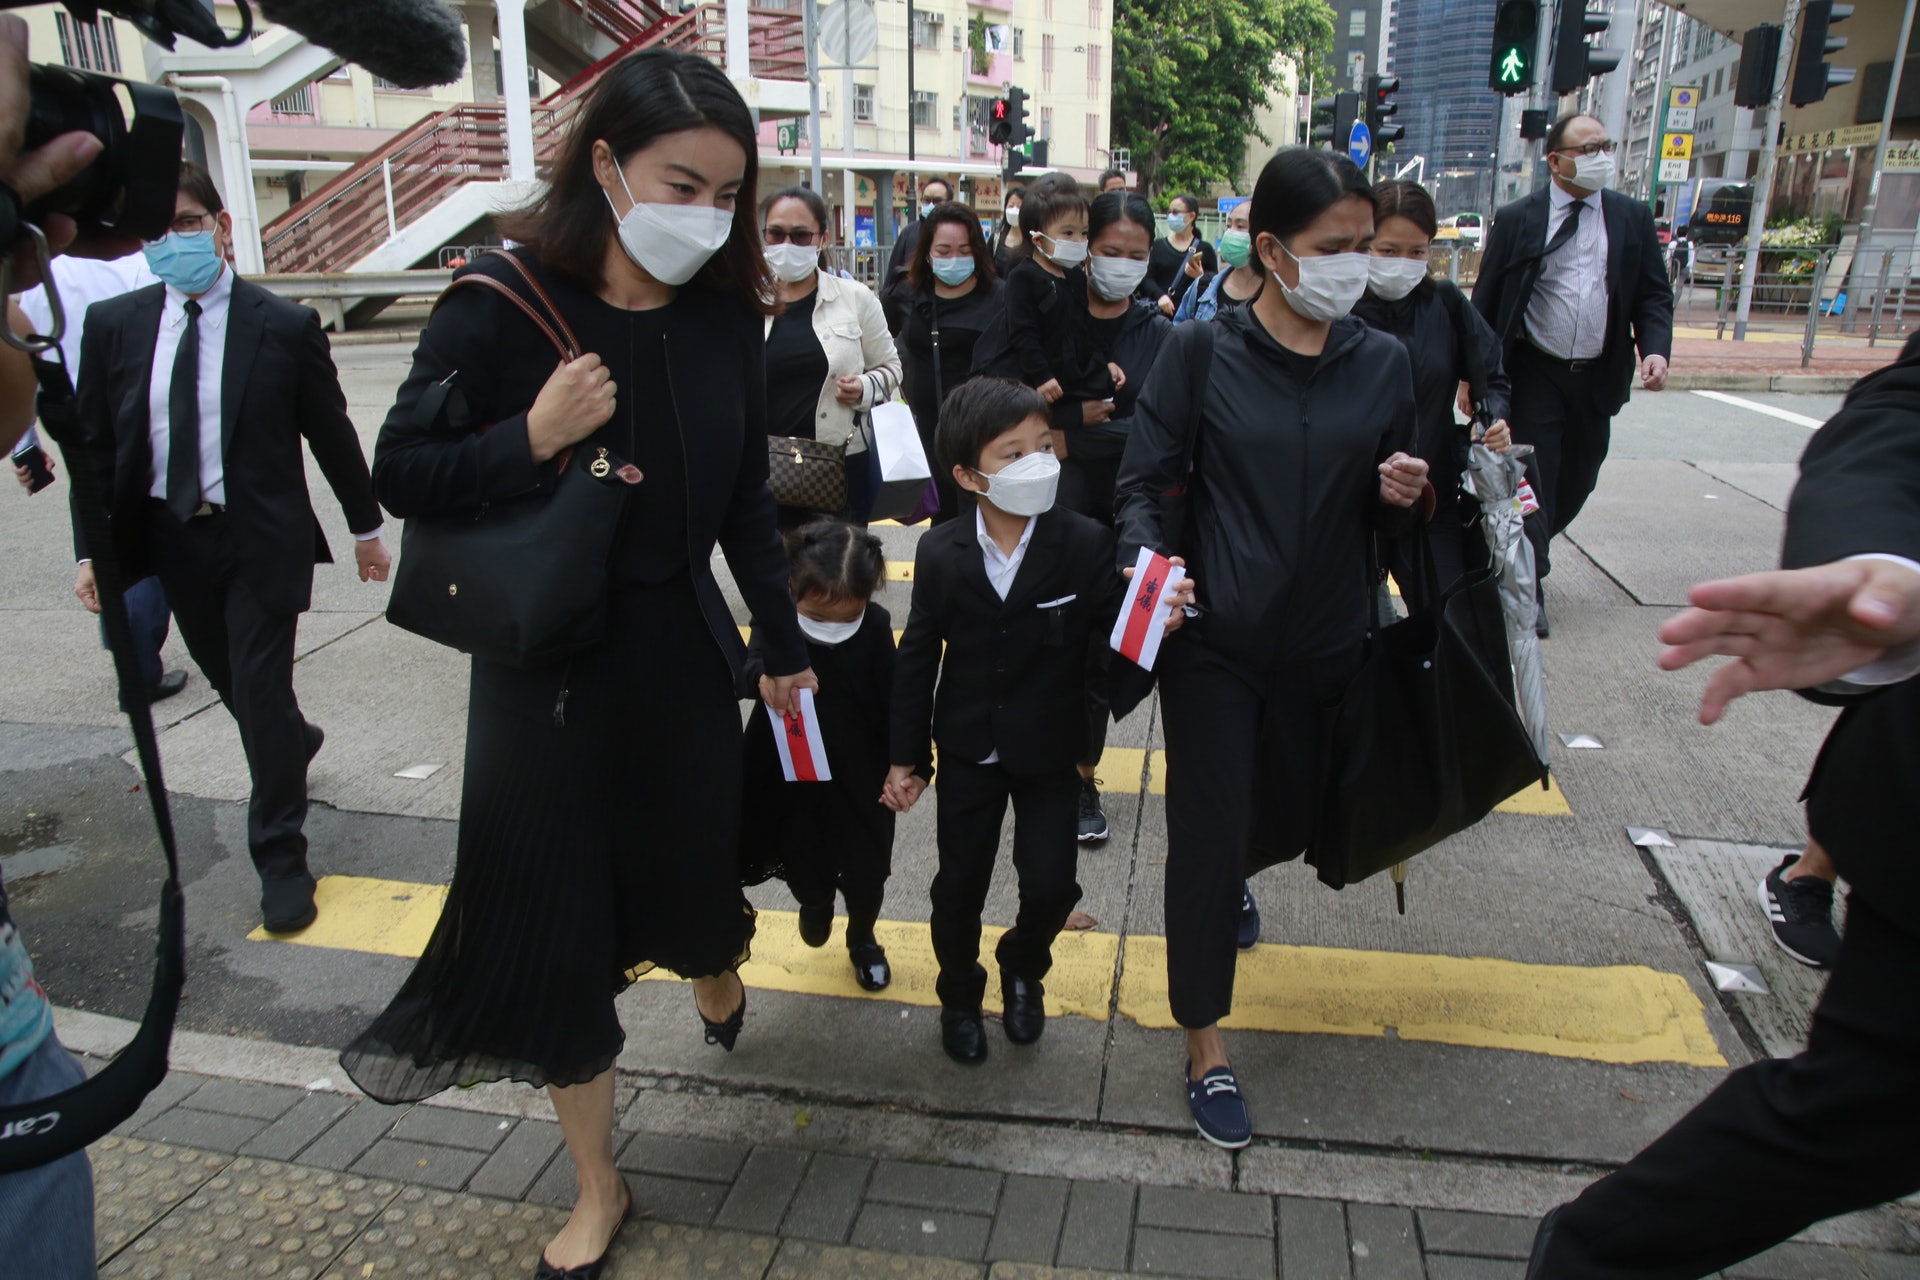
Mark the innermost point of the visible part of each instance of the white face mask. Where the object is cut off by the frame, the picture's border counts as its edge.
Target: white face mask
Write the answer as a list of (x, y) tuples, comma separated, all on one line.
[(830, 633), (1329, 284), (671, 242), (1115, 278), (927, 207), (1025, 486), (1394, 278), (792, 262), (1593, 173), (1065, 253)]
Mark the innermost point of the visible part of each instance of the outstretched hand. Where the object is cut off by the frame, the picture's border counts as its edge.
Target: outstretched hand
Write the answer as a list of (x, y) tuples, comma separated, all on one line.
[(1792, 628)]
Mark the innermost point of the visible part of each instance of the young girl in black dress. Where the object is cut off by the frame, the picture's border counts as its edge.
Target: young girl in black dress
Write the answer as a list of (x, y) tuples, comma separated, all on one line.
[(825, 836)]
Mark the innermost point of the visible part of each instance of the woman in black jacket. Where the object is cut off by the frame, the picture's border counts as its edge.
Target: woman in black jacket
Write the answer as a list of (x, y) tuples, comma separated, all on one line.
[(1434, 321), (956, 295), (1295, 455), (599, 811)]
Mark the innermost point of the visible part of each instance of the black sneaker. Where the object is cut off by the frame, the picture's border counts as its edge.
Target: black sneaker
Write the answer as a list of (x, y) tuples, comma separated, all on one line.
[(1093, 818), (1801, 913), (1249, 932)]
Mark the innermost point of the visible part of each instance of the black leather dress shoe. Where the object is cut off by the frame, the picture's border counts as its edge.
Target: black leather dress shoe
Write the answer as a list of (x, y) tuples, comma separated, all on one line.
[(316, 738), (169, 684), (286, 903), (963, 1034), (870, 967), (816, 923), (1026, 1011)]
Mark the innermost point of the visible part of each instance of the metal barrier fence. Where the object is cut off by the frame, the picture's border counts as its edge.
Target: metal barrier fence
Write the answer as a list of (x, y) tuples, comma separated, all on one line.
[(1806, 288)]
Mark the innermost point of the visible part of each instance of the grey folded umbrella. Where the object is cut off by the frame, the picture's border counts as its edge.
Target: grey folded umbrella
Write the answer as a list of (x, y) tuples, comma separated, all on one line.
[(1494, 479)]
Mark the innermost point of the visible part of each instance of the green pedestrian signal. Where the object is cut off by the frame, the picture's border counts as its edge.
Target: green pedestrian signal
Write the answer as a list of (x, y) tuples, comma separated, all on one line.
[(1515, 32)]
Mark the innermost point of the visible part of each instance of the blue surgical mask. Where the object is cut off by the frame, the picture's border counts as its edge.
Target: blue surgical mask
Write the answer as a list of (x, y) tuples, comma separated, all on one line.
[(1176, 222), (926, 208), (187, 260), (952, 271)]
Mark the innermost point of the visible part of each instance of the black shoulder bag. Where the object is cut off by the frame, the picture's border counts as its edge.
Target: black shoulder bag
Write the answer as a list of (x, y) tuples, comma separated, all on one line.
[(34, 1133), (521, 583)]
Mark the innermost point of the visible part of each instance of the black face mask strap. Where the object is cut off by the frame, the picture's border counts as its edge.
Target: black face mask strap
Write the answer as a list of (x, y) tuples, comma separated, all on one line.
[(34, 1133)]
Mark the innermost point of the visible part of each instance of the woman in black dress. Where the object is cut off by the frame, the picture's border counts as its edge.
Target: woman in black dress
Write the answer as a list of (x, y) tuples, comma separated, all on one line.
[(1009, 245), (956, 294), (598, 820), (1181, 257)]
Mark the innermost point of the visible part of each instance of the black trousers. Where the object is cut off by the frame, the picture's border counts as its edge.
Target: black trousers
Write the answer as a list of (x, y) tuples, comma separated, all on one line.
[(1558, 412), (972, 806), (1780, 1145), (1230, 732), (246, 652)]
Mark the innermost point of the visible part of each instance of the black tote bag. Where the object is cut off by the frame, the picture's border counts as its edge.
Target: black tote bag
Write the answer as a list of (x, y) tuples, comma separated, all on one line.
[(522, 583), (1423, 744)]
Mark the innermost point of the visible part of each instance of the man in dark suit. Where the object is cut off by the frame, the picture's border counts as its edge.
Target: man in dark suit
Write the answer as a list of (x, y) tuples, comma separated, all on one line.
[(194, 396), (1784, 1143), (1572, 280)]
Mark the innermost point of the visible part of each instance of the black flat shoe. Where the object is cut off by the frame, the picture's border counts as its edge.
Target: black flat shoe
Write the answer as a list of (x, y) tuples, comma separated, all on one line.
[(286, 903), (870, 967), (963, 1034), (1025, 1015), (586, 1270), (726, 1033), (170, 683), (316, 738), (816, 924)]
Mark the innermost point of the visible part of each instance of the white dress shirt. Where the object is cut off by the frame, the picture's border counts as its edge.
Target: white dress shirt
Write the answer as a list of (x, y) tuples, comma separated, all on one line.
[(1567, 315), (213, 358), (82, 282), (1002, 567)]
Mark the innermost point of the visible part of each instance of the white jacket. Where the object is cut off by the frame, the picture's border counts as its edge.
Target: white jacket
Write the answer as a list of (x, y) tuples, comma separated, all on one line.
[(853, 332)]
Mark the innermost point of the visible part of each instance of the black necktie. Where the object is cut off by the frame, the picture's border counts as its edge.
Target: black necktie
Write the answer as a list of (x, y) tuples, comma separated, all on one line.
[(1567, 229), (183, 422)]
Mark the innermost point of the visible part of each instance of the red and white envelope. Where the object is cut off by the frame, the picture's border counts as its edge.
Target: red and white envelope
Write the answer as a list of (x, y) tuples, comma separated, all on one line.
[(796, 736), (1142, 623)]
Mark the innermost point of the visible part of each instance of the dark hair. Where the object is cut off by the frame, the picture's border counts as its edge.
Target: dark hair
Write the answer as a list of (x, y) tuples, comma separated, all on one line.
[(920, 269), (1297, 186), (1107, 177), (806, 196), (1191, 201), (1011, 193), (933, 178), (832, 558), (977, 413), (1407, 200), (641, 99), (198, 185), (1558, 133), (1047, 198), (1120, 206)]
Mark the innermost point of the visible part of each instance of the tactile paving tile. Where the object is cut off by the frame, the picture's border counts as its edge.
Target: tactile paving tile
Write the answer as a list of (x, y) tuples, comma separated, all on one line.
[(135, 1183), (802, 1261), (257, 1218), (658, 1251), (439, 1235)]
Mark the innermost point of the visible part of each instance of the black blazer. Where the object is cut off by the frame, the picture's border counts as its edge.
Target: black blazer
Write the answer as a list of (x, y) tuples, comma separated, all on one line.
[(277, 385), (1014, 677), (716, 385), (1859, 493), (1639, 295)]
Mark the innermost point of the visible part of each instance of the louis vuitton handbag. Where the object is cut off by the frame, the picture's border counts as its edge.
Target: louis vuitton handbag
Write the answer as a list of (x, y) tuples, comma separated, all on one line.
[(810, 474)]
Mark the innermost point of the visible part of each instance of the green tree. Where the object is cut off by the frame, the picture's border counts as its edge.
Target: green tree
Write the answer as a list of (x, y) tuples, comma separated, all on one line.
[(1189, 74)]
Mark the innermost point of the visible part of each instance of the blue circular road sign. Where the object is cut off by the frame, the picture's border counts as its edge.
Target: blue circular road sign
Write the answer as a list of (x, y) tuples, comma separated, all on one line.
[(1360, 144)]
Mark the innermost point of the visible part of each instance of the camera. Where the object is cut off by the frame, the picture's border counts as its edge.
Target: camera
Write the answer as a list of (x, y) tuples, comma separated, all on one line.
[(129, 188)]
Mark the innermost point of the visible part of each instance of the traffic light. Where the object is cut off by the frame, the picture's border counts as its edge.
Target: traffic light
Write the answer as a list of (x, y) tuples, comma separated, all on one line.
[(1002, 127), (1516, 32), (1759, 62), (1339, 112), (1574, 60), (1812, 76), (1009, 128), (1380, 108)]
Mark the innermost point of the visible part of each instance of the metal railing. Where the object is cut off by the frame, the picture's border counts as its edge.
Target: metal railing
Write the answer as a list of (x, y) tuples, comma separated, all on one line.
[(1799, 290)]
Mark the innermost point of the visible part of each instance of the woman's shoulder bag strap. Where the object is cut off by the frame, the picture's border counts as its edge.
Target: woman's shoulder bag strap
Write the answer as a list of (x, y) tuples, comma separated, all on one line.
[(552, 324), (1466, 339)]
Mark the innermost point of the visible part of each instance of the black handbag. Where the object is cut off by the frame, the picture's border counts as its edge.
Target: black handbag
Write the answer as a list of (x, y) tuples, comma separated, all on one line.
[(1423, 744), (522, 583)]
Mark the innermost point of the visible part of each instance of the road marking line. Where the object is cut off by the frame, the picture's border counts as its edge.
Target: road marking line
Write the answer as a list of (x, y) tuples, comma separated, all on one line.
[(1614, 1014), (1785, 415)]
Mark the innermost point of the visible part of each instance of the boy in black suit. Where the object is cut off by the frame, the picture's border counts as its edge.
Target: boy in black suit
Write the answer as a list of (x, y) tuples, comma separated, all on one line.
[(1023, 597)]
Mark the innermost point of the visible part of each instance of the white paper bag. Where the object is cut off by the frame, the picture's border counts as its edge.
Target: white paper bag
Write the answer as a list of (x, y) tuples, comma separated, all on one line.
[(899, 461)]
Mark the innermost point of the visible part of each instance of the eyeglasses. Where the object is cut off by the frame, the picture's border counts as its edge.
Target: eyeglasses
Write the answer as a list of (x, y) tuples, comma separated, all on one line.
[(1591, 149), (780, 235), (188, 223)]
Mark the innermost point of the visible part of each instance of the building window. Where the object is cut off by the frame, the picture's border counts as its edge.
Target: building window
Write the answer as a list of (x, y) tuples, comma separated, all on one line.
[(925, 108), (387, 86), (956, 37), (1718, 80), (1046, 123), (1019, 44), (297, 103), (1356, 24), (90, 46), (1093, 14), (1093, 137), (956, 118), (1093, 71), (1046, 63), (863, 104), (926, 29), (1046, 9)]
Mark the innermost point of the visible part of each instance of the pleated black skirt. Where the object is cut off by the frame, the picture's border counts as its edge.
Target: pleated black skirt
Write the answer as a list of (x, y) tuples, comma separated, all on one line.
[(590, 851)]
